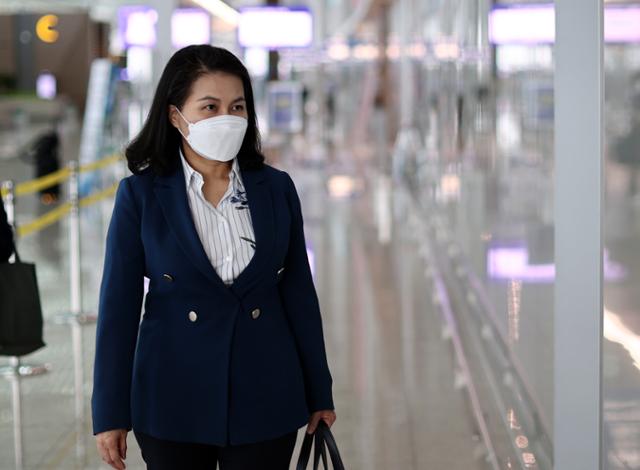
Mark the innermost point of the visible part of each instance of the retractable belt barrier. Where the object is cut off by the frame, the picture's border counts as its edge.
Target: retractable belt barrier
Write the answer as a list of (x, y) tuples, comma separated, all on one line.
[(57, 177), (70, 208)]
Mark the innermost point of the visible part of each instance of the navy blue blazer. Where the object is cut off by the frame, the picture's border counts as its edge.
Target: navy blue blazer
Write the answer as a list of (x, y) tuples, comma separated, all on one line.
[(252, 366)]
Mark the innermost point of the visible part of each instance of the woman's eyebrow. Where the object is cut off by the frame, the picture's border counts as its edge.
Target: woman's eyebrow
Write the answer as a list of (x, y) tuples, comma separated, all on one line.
[(209, 97)]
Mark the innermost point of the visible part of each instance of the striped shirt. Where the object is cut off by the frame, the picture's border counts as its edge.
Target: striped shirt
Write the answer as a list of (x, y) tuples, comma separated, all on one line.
[(226, 231)]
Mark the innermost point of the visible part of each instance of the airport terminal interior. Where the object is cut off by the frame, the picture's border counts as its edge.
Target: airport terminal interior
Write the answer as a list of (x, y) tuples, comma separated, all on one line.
[(421, 137)]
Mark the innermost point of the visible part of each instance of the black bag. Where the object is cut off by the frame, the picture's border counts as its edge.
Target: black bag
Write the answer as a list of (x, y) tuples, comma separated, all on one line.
[(20, 310), (322, 437)]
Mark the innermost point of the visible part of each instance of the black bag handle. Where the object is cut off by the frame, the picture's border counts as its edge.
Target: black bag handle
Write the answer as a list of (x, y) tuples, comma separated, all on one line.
[(318, 451), (13, 239), (15, 252), (330, 442), (305, 451), (323, 436), (15, 245)]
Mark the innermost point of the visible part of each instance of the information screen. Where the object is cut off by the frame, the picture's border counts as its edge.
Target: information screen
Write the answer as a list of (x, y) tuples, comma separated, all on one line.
[(275, 27)]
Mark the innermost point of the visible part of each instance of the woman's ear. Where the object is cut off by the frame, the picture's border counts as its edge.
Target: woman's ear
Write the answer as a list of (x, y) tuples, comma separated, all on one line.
[(173, 116)]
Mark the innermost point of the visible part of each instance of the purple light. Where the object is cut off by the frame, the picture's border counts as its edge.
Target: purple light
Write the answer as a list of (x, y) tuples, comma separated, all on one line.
[(275, 27), (522, 25), (46, 86), (190, 26), (513, 263), (622, 25), (535, 24), (137, 25)]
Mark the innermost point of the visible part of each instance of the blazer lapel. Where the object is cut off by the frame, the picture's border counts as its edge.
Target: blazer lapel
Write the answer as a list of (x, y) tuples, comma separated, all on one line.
[(172, 195), (260, 202)]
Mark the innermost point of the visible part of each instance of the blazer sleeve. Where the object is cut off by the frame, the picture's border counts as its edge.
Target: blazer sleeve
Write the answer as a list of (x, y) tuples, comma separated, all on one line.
[(119, 312), (302, 309), (6, 236)]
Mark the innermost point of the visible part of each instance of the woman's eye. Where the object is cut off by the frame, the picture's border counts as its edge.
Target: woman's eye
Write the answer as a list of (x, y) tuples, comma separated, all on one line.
[(210, 107), (239, 107)]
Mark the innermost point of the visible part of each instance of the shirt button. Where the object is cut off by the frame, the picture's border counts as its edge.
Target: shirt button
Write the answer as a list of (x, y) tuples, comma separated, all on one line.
[(255, 313), (193, 316)]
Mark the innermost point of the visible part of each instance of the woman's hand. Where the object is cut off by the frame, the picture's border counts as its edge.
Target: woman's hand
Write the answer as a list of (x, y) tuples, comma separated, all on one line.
[(112, 446), (329, 416)]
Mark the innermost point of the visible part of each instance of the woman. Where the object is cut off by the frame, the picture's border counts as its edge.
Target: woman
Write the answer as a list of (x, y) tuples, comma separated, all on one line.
[(230, 360)]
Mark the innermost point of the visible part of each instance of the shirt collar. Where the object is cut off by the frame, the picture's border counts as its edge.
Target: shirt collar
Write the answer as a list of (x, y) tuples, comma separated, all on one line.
[(235, 172), (190, 172)]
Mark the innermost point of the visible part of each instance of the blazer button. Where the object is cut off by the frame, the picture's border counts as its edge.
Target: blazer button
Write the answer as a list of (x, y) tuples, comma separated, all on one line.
[(168, 277), (255, 313), (193, 316)]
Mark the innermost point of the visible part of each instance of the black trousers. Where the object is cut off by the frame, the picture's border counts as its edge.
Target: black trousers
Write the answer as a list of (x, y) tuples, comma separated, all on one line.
[(160, 454)]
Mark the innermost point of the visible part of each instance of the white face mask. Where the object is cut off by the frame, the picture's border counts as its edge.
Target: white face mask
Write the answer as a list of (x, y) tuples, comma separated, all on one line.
[(218, 137)]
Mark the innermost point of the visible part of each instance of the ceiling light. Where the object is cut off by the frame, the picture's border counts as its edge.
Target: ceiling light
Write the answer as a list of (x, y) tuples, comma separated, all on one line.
[(221, 10)]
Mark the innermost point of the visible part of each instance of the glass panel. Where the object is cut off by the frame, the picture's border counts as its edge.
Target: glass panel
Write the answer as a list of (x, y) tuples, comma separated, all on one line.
[(486, 184), (621, 346)]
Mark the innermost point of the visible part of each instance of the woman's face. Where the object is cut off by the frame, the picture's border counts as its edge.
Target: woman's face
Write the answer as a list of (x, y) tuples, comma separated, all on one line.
[(212, 94)]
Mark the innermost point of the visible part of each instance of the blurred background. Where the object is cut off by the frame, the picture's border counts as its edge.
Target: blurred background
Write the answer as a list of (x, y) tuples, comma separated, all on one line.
[(420, 135)]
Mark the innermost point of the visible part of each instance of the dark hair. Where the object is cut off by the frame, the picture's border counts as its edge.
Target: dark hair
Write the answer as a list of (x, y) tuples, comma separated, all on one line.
[(157, 144)]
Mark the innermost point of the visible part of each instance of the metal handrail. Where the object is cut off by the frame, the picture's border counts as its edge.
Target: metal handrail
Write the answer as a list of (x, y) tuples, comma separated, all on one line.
[(461, 357), (513, 365)]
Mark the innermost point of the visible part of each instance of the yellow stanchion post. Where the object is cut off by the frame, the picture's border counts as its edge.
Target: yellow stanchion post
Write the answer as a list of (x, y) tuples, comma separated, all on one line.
[(74, 241), (76, 318), (75, 314)]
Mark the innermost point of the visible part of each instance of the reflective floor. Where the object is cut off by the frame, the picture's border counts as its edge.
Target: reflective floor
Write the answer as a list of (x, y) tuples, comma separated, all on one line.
[(396, 400), (400, 399)]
